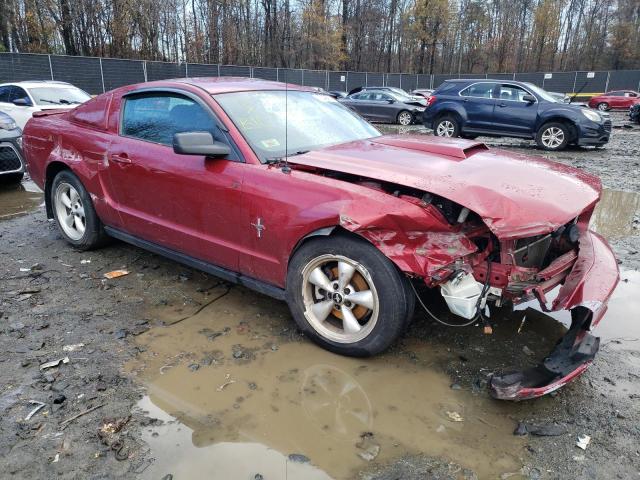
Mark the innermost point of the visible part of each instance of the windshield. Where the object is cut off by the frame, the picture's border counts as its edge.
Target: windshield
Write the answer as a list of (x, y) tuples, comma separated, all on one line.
[(542, 93), (58, 95), (314, 121)]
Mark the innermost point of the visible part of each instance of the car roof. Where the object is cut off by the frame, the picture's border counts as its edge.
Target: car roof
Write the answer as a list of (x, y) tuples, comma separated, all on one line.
[(216, 85), (38, 83)]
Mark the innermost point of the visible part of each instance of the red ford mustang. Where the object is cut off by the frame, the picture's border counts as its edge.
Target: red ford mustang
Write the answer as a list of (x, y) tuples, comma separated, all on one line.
[(328, 214)]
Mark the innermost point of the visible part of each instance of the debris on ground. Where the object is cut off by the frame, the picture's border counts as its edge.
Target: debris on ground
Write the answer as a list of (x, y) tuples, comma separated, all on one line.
[(298, 458), (454, 416), (368, 446), (227, 383), (54, 363), (73, 347), (541, 430), (583, 441), (116, 274), (39, 406)]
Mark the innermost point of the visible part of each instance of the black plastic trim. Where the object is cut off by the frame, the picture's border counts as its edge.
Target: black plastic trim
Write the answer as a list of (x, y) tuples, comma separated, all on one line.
[(220, 272)]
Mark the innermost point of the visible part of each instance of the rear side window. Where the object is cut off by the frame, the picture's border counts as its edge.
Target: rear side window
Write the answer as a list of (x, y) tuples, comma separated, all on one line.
[(615, 94), (479, 90), (157, 117), (4, 94)]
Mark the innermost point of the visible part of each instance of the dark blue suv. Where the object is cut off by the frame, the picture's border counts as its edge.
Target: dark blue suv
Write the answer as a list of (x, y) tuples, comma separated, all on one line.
[(470, 108)]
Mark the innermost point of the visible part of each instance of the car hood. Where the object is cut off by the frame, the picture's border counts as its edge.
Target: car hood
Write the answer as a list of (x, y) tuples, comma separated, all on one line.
[(515, 195)]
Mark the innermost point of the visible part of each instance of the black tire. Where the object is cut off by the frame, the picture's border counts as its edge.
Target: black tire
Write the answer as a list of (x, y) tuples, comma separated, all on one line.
[(402, 116), (396, 300), (468, 137), (446, 126), (544, 136), (94, 235), (603, 107), (11, 178)]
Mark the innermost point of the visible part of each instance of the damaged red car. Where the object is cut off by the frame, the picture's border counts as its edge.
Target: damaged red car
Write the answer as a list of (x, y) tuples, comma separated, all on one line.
[(287, 192)]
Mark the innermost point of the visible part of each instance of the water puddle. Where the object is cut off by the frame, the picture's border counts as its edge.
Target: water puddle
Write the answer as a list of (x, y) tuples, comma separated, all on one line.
[(18, 199), (247, 394), (614, 215)]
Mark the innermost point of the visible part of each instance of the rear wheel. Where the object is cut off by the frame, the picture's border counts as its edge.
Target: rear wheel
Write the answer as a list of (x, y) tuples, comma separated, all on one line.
[(347, 296), (446, 126), (405, 118), (603, 106), (74, 213), (553, 136)]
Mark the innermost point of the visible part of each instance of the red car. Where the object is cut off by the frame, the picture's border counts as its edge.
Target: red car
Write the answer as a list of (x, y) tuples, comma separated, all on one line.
[(343, 223), (620, 99)]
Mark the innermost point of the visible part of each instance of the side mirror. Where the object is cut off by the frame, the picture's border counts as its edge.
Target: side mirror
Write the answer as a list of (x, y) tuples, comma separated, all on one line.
[(22, 102), (199, 143), (391, 100), (529, 99)]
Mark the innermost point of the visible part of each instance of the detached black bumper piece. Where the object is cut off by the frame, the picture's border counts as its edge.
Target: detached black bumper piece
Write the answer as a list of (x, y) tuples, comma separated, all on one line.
[(571, 356)]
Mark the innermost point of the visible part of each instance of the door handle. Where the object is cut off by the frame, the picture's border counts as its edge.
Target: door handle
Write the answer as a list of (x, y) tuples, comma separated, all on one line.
[(502, 105), (121, 158)]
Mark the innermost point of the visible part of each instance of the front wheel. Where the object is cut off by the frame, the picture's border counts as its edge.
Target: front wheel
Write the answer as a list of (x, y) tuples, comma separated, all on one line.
[(553, 136), (405, 118), (74, 213), (603, 107), (347, 296), (446, 127)]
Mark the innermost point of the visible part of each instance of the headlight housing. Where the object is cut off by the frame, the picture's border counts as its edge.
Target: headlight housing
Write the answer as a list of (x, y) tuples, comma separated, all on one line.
[(593, 116), (7, 124)]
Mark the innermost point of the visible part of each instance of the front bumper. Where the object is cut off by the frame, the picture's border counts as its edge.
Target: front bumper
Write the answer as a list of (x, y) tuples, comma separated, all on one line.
[(592, 133), (11, 160), (585, 292)]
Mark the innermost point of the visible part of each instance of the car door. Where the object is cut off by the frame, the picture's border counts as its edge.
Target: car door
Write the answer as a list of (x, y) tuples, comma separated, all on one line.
[(382, 106), (361, 103), (512, 114), (20, 113), (479, 104), (630, 98), (615, 99), (187, 203)]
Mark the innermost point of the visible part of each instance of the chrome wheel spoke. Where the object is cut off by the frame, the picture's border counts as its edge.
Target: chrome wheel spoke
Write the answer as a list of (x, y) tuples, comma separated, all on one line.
[(320, 280), (66, 201), (79, 224), (322, 309), (349, 321), (364, 298), (73, 194), (345, 273), (69, 220)]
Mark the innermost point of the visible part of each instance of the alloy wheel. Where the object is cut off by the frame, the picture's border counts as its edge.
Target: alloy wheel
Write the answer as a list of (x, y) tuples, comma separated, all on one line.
[(552, 137), (445, 129), (70, 211), (603, 107), (340, 300), (405, 118)]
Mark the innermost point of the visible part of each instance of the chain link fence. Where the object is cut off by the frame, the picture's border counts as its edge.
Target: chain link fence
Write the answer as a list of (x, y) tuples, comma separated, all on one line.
[(97, 75)]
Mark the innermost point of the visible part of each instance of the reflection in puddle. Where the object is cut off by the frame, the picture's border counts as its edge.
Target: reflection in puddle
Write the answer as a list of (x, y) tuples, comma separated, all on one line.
[(622, 320), (255, 391), (614, 215), (18, 199)]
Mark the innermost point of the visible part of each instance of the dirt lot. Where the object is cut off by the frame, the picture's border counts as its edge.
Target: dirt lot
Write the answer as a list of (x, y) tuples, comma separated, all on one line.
[(173, 374)]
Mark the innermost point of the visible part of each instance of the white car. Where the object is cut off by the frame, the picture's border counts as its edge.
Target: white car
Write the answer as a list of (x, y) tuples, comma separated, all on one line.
[(21, 99)]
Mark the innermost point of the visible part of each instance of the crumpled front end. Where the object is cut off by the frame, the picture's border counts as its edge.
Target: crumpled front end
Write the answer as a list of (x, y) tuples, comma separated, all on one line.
[(585, 292)]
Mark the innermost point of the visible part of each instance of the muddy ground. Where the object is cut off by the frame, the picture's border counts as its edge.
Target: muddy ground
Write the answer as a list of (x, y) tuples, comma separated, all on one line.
[(173, 374)]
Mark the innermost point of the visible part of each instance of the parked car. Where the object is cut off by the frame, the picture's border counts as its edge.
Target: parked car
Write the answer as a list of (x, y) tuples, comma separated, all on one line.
[(618, 99), (11, 163), (422, 92), (395, 90), (634, 113), (469, 108), (343, 223), (385, 106), (21, 99), (338, 94)]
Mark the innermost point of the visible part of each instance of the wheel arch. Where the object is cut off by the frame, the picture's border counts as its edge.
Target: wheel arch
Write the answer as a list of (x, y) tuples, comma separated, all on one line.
[(570, 123), (53, 168), (454, 111)]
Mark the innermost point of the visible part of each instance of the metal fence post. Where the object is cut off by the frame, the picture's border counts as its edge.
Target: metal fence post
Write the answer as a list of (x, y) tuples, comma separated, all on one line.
[(144, 69), (606, 85), (186, 69), (102, 76), (218, 69), (575, 81), (50, 67), (277, 74), (302, 70)]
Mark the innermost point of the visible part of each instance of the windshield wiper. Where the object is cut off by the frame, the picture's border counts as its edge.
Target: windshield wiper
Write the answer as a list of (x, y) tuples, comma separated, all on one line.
[(48, 101), (272, 160)]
